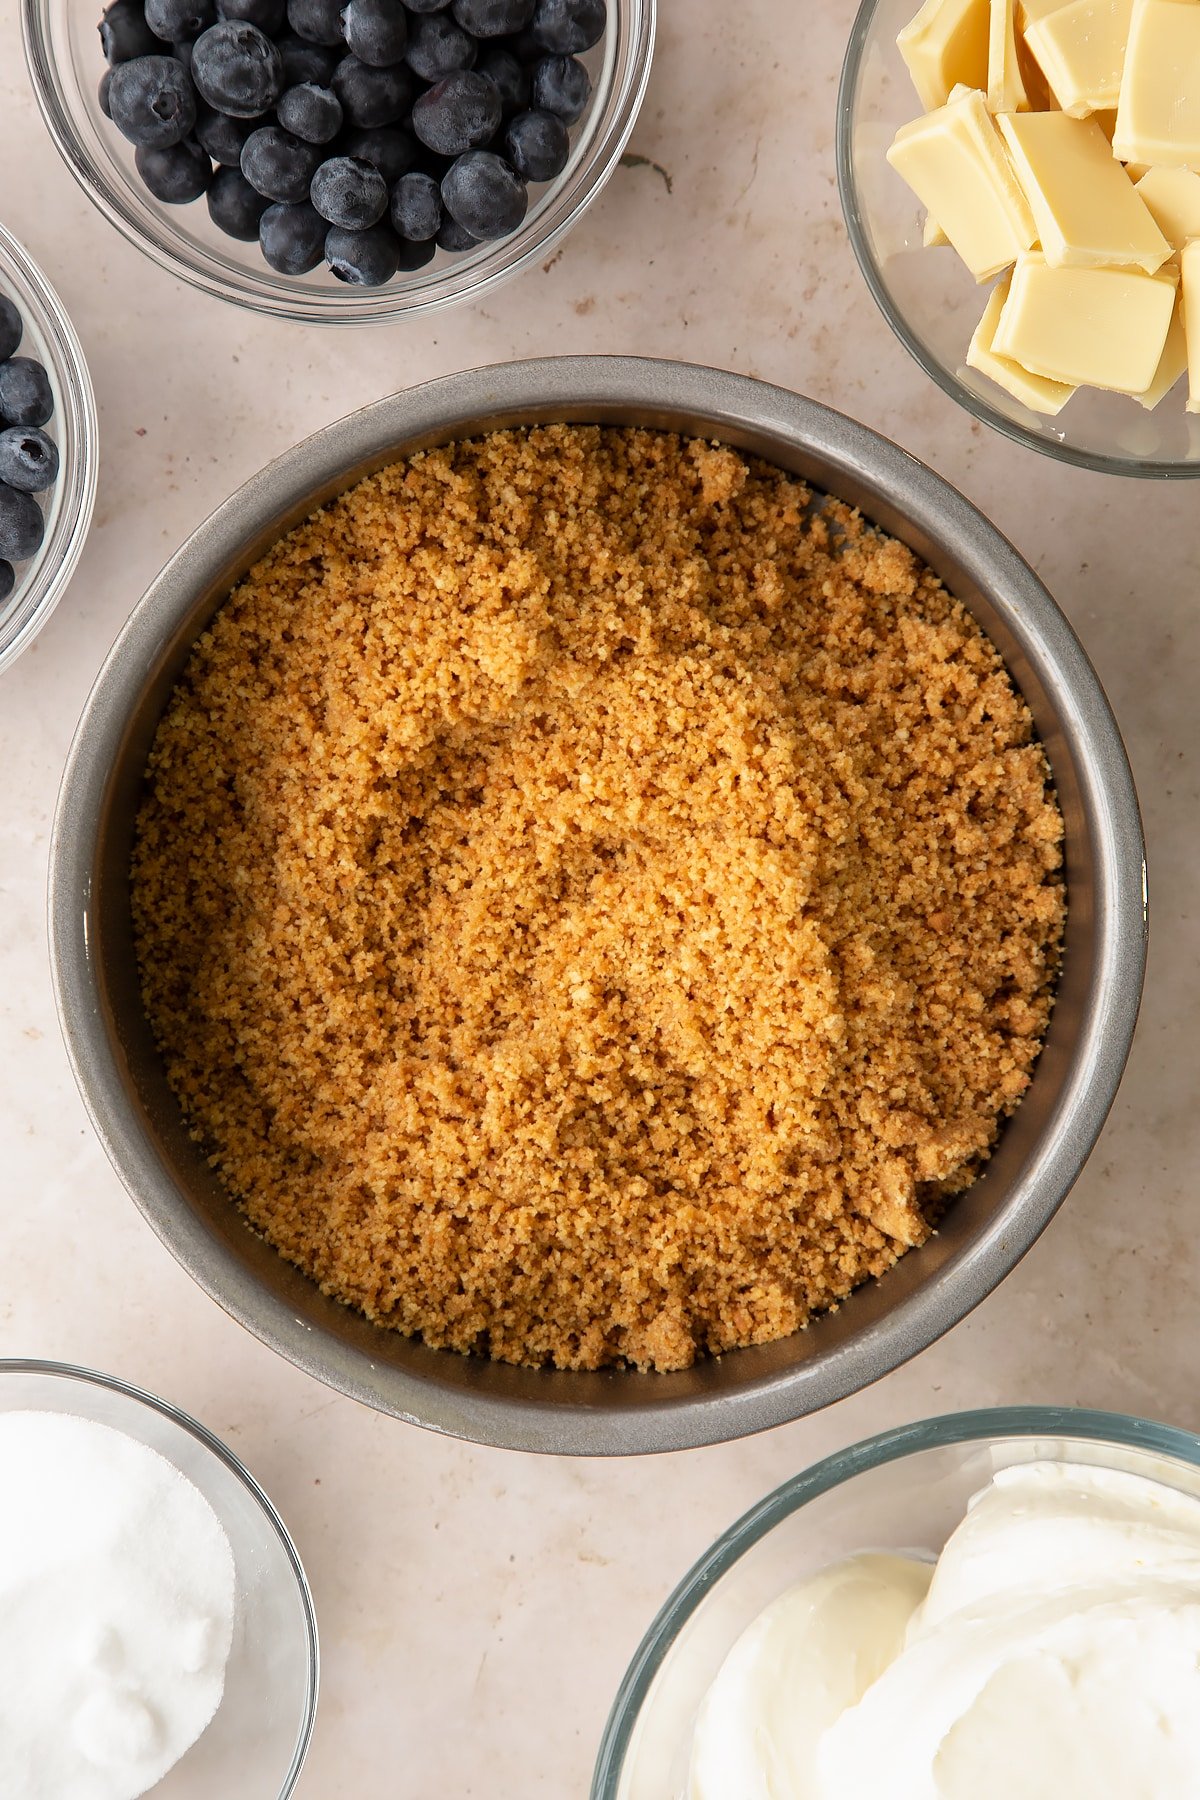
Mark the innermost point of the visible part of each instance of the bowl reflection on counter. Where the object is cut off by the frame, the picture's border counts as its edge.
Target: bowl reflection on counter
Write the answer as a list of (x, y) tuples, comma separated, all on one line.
[(614, 1411)]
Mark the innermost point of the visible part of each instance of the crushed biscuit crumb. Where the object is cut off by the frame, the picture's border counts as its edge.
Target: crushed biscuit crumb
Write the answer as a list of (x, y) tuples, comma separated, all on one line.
[(595, 906)]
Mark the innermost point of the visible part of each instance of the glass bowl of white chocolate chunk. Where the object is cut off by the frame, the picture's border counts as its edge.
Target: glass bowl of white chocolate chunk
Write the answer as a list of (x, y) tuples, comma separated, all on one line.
[(157, 1634), (987, 1604), (1021, 185)]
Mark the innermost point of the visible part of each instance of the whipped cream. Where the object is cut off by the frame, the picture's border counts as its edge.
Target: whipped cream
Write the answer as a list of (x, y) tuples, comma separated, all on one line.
[(1054, 1651)]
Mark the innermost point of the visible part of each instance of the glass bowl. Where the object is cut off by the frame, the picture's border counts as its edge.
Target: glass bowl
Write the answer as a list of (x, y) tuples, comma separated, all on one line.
[(65, 61), (255, 1746), (932, 302), (50, 337), (903, 1491)]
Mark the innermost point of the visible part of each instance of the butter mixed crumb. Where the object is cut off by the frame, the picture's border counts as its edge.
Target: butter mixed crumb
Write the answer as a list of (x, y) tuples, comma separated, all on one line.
[(594, 907)]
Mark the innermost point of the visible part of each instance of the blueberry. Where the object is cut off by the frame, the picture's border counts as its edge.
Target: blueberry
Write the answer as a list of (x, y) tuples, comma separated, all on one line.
[(416, 207), (376, 31), (458, 114), (28, 459), (510, 76), (21, 525), (426, 6), (172, 19), (372, 97), (437, 47), (279, 165), (493, 18), (182, 52), (12, 327), (177, 174), (363, 258), (238, 69), (453, 236), (568, 26), (8, 580), (561, 85), (268, 15), (392, 151), (349, 193), (102, 93), (310, 112), (414, 256), (221, 137), (153, 101), (537, 144), (306, 62), (26, 397), (292, 238), (484, 194), (234, 206), (320, 21), (124, 33)]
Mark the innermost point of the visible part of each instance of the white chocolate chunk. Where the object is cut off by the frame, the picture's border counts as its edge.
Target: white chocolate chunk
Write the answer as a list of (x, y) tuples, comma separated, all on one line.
[(956, 164), (1086, 209), (1005, 87), (1034, 391), (1102, 328), (1080, 48), (1172, 196), (1172, 363), (1036, 86), (1191, 320), (945, 44), (1158, 115), (1029, 12)]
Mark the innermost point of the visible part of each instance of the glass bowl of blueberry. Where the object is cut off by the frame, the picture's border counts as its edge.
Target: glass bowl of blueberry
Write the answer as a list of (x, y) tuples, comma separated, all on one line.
[(48, 449), (341, 161)]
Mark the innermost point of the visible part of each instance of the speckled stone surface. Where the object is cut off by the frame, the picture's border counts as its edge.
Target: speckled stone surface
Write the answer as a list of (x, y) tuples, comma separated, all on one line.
[(477, 1609)]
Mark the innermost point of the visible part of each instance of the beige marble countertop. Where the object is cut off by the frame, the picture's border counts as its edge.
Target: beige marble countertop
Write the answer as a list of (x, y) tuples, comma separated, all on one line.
[(477, 1608)]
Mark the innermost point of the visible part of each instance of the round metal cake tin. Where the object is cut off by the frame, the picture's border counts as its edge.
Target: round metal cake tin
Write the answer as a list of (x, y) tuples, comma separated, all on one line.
[(986, 1231)]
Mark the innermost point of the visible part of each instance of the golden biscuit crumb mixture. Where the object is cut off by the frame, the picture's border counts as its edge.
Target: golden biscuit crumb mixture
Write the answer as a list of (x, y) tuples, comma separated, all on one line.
[(595, 907)]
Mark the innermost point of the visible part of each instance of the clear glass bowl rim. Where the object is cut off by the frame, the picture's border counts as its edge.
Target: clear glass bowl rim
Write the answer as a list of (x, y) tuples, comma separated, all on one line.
[(79, 433), (1094, 460), (982, 1425), (281, 297), (21, 1365)]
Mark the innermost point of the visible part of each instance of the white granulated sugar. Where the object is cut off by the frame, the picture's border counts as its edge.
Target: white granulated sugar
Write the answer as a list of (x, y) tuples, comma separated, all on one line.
[(116, 1611)]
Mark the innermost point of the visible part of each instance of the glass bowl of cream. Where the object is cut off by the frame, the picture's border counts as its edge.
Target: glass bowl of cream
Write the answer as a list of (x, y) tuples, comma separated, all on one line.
[(157, 1633), (989, 1603)]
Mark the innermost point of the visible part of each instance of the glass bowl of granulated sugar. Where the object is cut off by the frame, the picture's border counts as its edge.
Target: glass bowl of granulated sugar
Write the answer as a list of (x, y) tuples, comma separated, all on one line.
[(157, 1633)]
